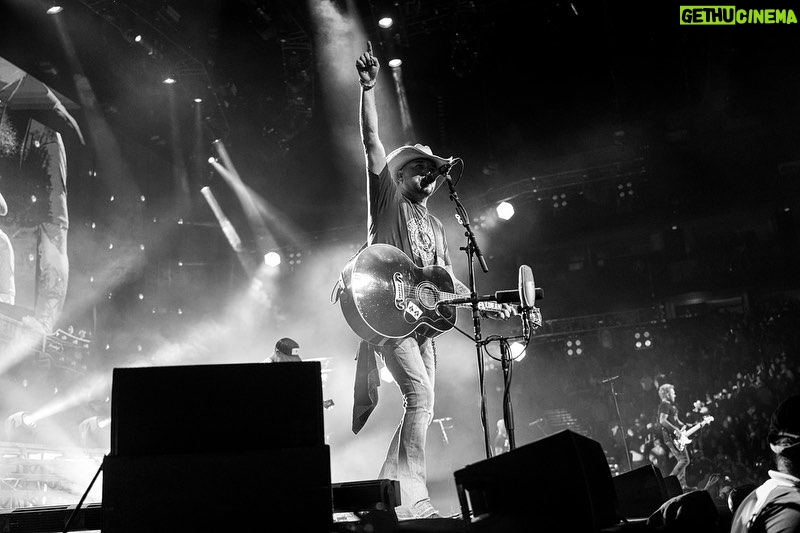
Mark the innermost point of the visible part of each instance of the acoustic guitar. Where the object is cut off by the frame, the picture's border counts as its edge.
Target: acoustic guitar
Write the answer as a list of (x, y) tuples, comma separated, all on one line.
[(385, 296)]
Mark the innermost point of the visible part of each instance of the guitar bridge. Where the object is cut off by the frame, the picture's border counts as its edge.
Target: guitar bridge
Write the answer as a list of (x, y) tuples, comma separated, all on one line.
[(399, 291)]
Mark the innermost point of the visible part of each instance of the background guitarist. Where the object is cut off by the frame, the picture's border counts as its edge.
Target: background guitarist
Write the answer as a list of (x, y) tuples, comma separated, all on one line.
[(397, 195), (671, 427)]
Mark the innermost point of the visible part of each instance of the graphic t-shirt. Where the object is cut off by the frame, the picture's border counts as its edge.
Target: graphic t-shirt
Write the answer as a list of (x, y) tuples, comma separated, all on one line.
[(672, 416), (396, 220)]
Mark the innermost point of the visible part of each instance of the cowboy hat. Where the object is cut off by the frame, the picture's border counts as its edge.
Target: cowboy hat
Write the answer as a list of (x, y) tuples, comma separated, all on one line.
[(399, 157)]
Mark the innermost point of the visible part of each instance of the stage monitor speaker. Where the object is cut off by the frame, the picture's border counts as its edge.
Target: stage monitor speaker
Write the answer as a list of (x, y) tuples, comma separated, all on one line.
[(561, 483), (216, 408), (640, 492), (672, 486), (272, 490), (370, 495)]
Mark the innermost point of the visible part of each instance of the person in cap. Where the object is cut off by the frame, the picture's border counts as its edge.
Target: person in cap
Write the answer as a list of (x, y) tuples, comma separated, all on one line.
[(775, 505), (397, 196), (286, 351)]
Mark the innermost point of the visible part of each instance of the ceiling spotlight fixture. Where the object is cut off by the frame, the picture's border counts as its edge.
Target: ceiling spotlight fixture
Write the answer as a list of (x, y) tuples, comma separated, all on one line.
[(272, 259), (198, 100), (385, 22), (54, 8), (505, 210), (169, 80), (396, 62)]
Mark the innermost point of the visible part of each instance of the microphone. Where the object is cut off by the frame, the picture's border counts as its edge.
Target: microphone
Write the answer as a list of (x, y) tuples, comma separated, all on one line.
[(609, 379), (527, 297), (433, 175), (527, 288)]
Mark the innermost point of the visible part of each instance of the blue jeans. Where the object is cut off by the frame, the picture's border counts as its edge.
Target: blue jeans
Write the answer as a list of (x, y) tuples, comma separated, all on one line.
[(412, 366), (679, 470)]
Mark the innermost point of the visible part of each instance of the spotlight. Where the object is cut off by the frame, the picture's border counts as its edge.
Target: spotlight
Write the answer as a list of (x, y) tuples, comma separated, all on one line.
[(169, 80), (395, 62), (574, 348), (19, 426), (92, 431), (517, 351), (54, 8), (272, 259), (642, 340), (198, 100), (385, 22), (138, 38), (505, 210)]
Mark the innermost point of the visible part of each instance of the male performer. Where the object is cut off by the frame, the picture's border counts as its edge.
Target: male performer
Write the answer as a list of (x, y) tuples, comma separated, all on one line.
[(671, 427), (398, 215)]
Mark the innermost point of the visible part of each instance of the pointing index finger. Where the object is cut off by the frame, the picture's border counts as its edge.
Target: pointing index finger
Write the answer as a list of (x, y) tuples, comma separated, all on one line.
[(369, 47)]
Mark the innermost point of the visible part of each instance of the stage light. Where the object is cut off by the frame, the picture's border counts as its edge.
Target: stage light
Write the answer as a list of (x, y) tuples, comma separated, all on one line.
[(574, 348), (138, 38), (642, 340), (505, 210), (92, 431), (54, 8), (169, 80), (272, 259), (517, 351), (385, 22), (395, 62), (19, 426), (198, 100)]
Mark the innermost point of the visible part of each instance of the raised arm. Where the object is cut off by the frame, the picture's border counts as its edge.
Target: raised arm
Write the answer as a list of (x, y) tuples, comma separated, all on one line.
[(3, 206), (367, 66)]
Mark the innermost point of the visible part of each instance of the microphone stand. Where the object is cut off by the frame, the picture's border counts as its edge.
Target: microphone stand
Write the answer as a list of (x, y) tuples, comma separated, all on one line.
[(473, 250), (508, 413), (621, 425)]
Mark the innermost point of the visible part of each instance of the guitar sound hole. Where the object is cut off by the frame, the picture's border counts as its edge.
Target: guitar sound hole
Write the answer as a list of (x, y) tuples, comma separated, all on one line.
[(427, 294)]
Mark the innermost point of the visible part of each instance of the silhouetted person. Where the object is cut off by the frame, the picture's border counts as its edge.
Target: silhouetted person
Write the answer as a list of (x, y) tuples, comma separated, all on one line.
[(775, 505)]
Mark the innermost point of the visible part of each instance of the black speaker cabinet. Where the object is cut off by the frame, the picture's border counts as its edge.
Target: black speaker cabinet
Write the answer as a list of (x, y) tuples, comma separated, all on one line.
[(560, 483), (216, 408), (274, 490), (672, 486), (640, 492)]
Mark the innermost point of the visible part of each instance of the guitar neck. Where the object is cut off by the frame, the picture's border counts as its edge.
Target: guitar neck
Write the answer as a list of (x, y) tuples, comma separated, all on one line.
[(482, 306), (693, 429)]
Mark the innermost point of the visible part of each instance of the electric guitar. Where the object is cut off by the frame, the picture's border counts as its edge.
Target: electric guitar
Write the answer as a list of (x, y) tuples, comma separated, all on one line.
[(682, 439), (385, 296)]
